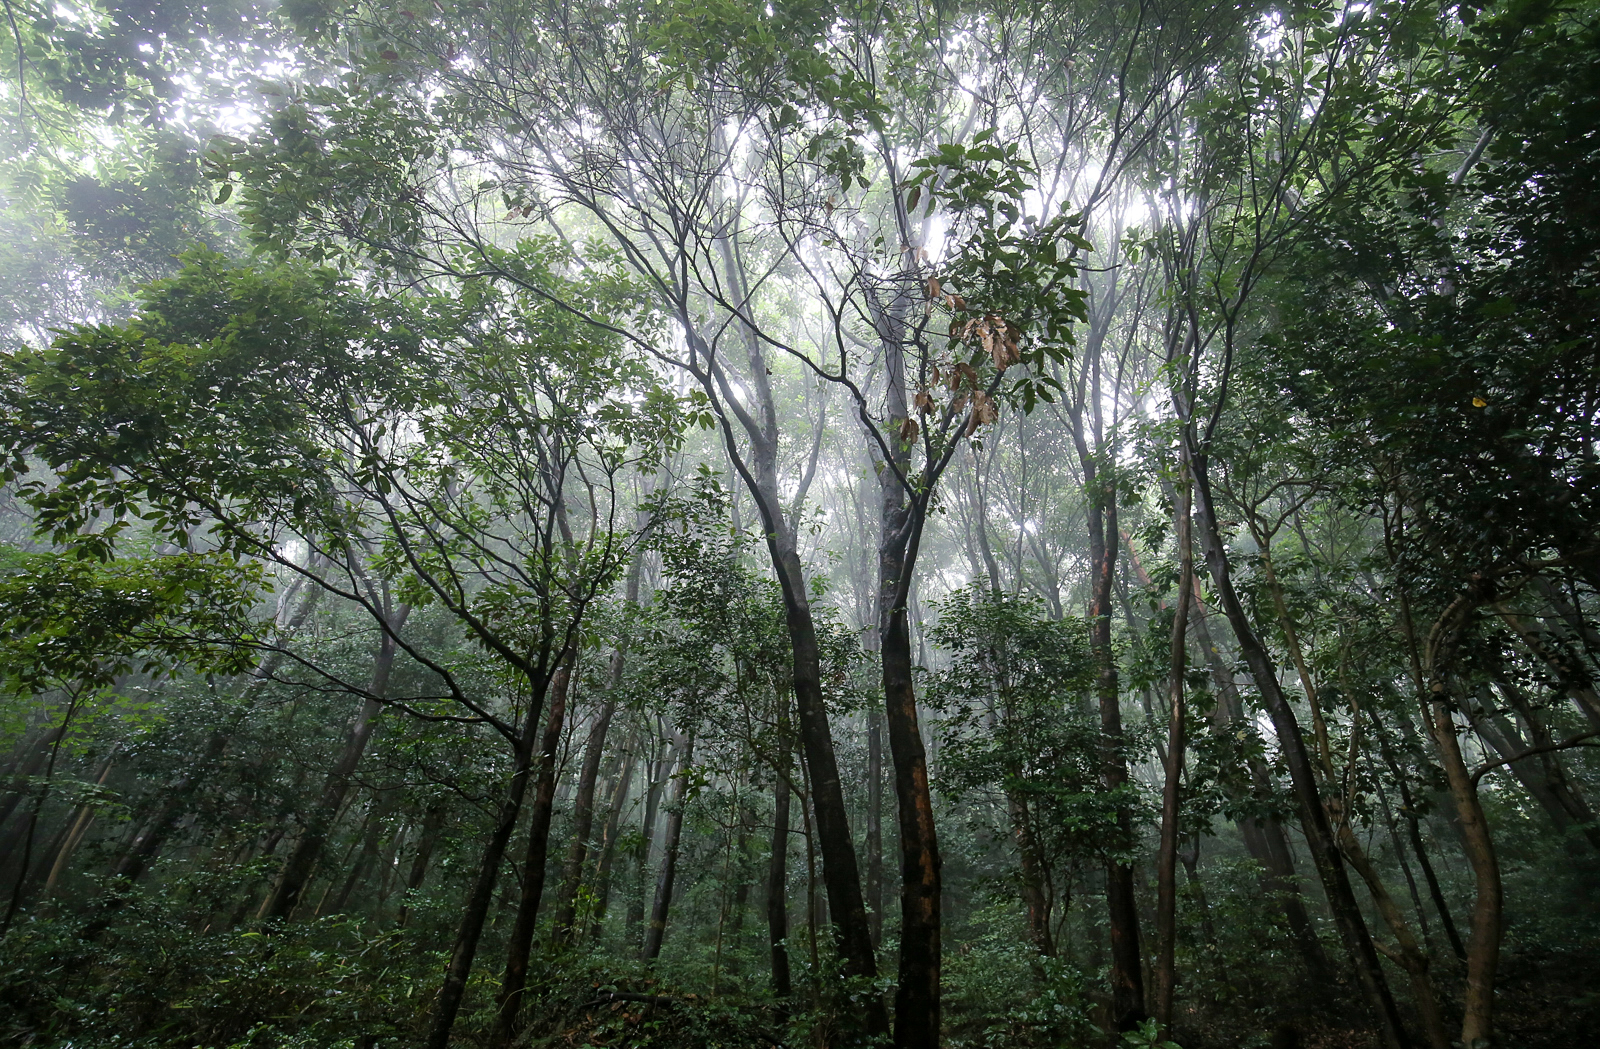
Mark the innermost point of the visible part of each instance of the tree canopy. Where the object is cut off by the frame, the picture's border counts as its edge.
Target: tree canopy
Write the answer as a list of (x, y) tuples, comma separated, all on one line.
[(711, 523)]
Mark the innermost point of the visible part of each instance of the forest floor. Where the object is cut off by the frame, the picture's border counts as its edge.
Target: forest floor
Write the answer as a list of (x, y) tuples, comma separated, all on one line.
[(1542, 1001), (1549, 1000)]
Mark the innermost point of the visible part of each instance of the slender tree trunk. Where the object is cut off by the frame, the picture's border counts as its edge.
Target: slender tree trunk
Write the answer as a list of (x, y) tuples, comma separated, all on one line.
[(1127, 969), (1506, 741), (77, 831), (917, 998), (1313, 818), (1190, 858), (778, 886), (1166, 975), (367, 858), (1570, 613), (1401, 857), (1408, 632), (356, 841), (647, 836), (481, 896), (369, 862), (1264, 838), (509, 1002), (741, 874), (1409, 953), (1573, 675), (29, 767), (302, 859), (875, 824), (589, 774), (811, 874), (31, 820), (616, 799), (840, 874), (71, 838), (583, 816), (427, 841), (389, 868), (1035, 901), (656, 931), (1483, 947), (152, 836), (901, 519), (1569, 802), (839, 868), (1429, 875), (14, 760)]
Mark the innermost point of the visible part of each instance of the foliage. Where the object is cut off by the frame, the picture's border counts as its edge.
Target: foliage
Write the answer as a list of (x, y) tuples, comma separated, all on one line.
[(1016, 718), (372, 375), (71, 621)]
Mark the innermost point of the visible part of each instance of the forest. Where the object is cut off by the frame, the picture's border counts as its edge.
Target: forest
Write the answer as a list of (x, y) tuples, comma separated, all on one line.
[(713, 523)]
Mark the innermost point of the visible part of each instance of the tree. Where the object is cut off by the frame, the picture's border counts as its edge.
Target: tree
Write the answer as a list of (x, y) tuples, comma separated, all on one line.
[(453, 483)]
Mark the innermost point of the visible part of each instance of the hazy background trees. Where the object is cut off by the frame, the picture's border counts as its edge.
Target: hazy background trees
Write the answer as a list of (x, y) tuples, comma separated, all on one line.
[(786, 524)]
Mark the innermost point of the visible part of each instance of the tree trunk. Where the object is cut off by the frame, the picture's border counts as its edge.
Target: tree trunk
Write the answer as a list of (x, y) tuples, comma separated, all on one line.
[(29, 767), (302, 859), (77, 831), (427, 841), (875, 825), (1502, 736), (589, 774), (152, 836), (1570, 806), (1408, 632), (31, 820), (1569, 613), (839, 868), (1035, 901), (1265, 838), (1483, 947), (1409, 955), (1319, 835), (741, 874), (840, 874), (616, 799), (1127, 971), (1166, 974), (1572, 674), (481, 895), (1435, 891), (367, 858), (389, 868), (509, 1002), (660, 769), (778, 886), (901, 520), (1402, 858), (917, 995), (1190, 858), (656, 931), (582, 821)]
